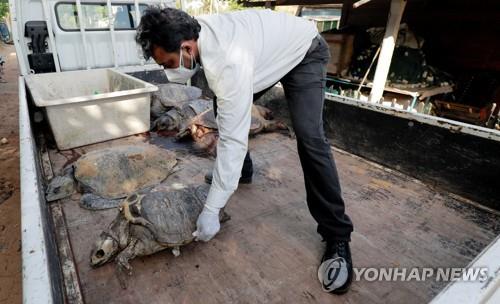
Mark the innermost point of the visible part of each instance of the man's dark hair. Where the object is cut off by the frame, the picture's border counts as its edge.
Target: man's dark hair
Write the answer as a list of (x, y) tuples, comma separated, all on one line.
[(165, 28)]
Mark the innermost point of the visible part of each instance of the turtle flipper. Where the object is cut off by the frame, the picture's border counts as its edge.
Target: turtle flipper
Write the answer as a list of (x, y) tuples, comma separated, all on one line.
[(263, 112), (224, 217), (123, 268), (93, 201), (176, 251), (274, 125), (183, 132)]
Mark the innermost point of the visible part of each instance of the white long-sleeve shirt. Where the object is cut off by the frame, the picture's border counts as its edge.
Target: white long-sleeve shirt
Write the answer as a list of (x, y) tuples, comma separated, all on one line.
[(242, 53)]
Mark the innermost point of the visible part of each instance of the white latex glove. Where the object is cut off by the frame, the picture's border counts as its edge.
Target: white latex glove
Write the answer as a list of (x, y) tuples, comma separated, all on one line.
[(207, 224)]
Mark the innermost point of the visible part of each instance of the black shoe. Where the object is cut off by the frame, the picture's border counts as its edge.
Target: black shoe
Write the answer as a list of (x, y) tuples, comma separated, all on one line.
[(243, 179), (335, 271)]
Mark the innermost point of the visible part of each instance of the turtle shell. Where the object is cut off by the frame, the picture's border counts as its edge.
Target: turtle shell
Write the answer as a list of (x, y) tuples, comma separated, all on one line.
[(173, 212), (119, 171), (195, 107), (174, 95)]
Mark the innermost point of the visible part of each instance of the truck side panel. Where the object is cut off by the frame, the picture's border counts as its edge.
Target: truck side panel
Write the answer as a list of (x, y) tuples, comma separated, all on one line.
[(41, 274)]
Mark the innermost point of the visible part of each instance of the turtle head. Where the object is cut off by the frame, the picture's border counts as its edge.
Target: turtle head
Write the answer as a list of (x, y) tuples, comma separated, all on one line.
[(110, 241), (105, 248)]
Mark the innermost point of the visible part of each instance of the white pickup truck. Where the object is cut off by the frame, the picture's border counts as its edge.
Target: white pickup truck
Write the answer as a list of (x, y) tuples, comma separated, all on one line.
[(268, 252)]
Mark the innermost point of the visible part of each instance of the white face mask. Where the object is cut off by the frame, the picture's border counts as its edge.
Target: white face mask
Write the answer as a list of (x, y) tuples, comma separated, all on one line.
[(182, 74)]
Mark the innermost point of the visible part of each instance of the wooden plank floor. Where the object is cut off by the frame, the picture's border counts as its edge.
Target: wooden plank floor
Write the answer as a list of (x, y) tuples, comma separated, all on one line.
[(269, 251)]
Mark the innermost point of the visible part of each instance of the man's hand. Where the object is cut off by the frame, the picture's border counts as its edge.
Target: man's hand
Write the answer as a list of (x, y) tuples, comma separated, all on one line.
[(207, 224)]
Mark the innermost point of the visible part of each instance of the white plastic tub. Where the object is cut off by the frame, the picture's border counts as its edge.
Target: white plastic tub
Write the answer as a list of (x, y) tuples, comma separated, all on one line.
[(86, 107)]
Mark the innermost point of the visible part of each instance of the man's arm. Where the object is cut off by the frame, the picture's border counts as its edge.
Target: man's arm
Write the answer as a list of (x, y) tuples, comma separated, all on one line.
[(234, 90)]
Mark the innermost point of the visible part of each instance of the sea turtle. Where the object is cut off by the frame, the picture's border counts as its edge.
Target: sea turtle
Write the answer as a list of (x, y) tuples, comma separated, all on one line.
[(178, 117), (203, 127), (108, 175), (170, 95), (163, 218)]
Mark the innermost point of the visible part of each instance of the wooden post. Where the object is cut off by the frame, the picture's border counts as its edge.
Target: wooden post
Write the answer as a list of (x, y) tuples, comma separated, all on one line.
[(388, 44)]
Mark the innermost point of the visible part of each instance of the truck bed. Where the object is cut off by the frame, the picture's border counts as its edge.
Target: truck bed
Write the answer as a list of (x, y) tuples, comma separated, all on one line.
[(269, 251)]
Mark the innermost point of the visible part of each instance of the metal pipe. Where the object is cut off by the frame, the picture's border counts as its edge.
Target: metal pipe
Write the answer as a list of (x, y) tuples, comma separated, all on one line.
[(360, 3), (111, 20), (137, 13), (82, 31), (368, 71), (48, 20)]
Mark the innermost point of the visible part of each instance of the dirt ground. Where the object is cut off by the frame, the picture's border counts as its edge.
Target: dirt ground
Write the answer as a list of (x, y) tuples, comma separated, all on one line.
[(10, 218)]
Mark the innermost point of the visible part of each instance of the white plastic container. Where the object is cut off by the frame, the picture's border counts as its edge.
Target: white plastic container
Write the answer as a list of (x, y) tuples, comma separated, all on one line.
[(86, 107)]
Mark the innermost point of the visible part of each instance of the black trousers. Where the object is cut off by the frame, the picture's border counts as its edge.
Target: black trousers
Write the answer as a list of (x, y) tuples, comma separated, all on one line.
[(304, 88)]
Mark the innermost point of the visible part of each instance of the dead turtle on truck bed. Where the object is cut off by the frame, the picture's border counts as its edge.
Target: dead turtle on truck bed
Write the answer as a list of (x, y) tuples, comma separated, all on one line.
[(171, 95), (163, 218), (108, 175), (178, 117), (203, 127)]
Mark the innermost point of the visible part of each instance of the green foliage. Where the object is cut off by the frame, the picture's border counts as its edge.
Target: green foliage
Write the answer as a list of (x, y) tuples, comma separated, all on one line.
[(198, 7), (234, 5), (4, 8)]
